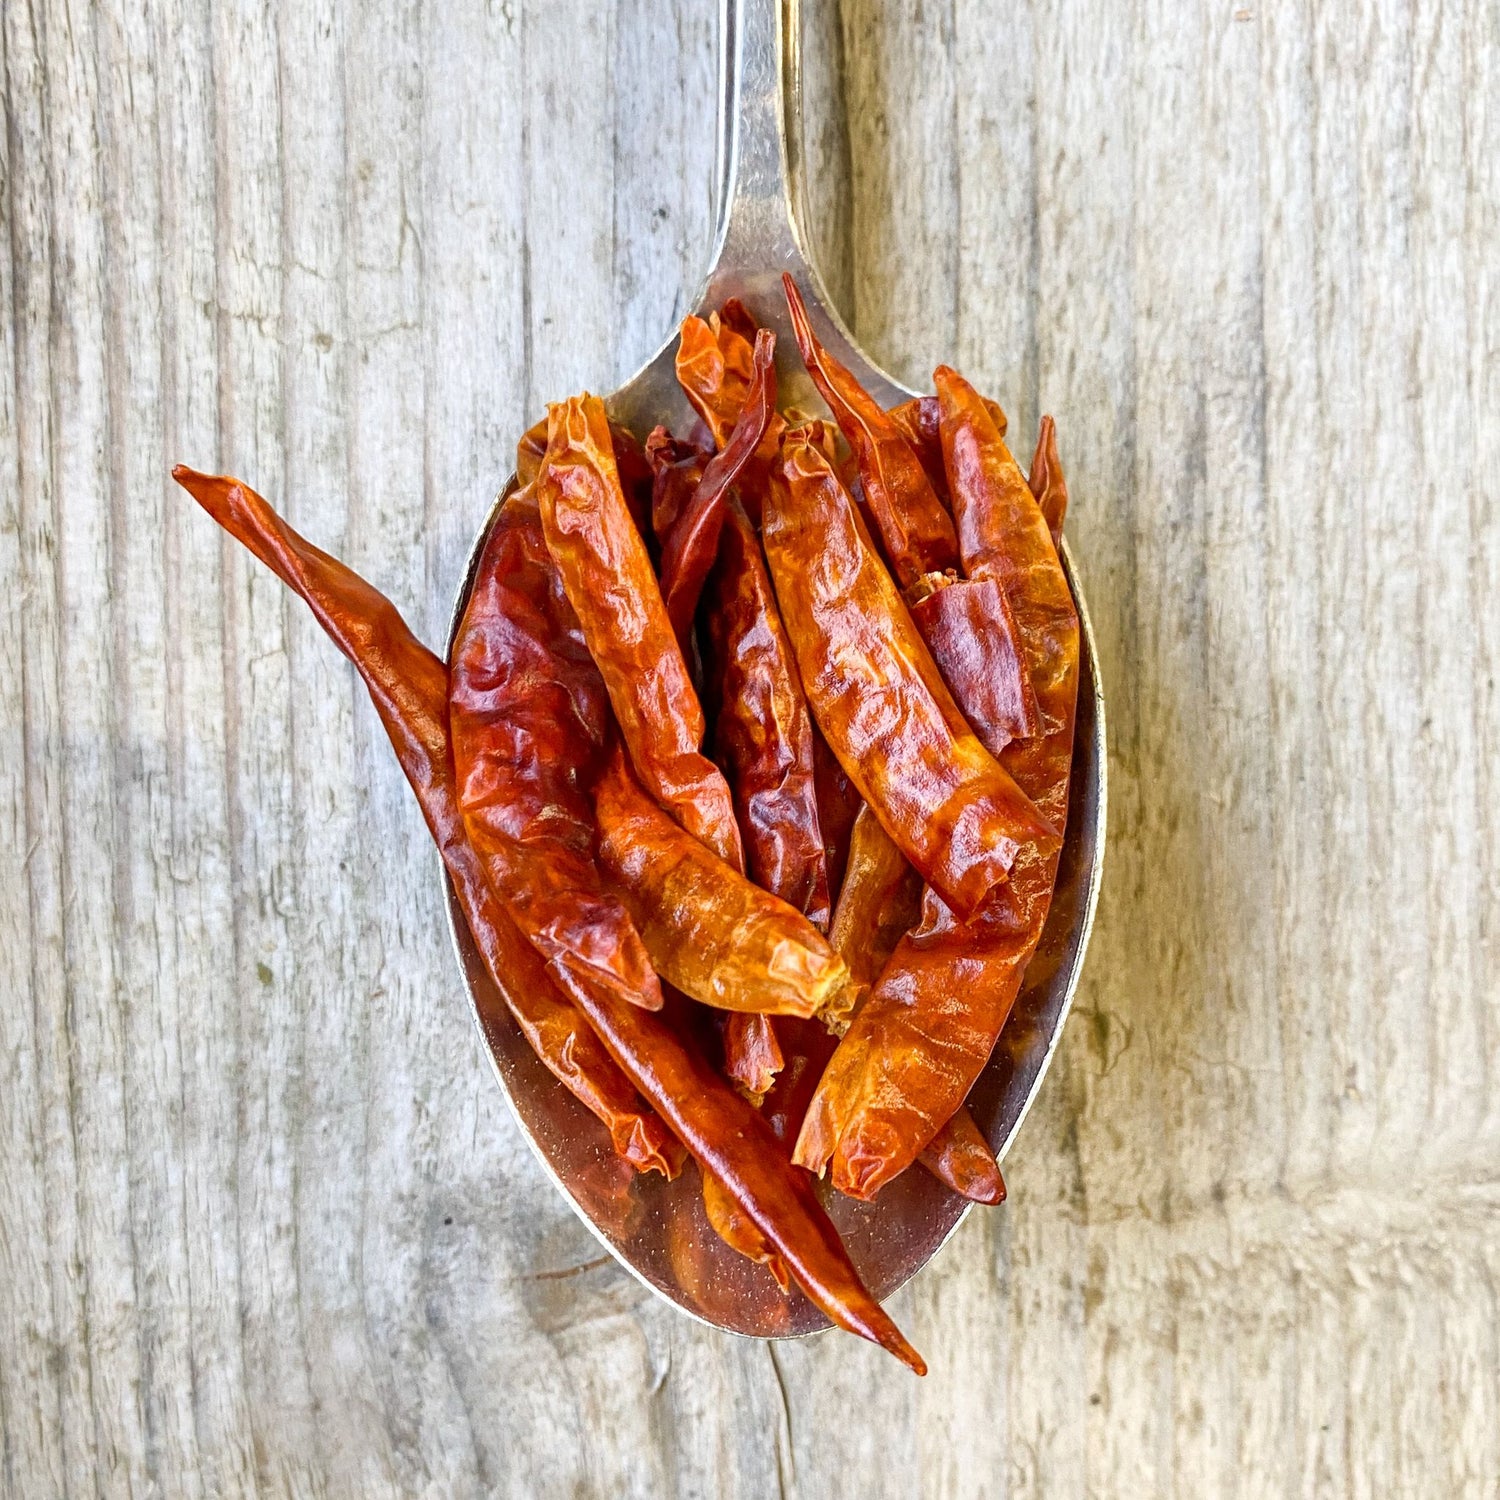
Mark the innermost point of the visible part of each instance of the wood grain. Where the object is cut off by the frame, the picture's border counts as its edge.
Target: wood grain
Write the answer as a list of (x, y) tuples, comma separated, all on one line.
[(265, 1227)]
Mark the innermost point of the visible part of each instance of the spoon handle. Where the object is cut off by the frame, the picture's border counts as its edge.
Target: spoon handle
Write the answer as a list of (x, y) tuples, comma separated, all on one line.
[(759, 161)]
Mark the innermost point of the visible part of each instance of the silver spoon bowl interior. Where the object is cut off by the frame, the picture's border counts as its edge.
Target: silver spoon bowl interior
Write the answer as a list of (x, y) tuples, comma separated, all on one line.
[(657, 1229)]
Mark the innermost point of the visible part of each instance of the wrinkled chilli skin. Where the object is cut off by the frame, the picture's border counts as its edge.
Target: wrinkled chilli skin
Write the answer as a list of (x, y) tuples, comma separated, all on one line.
[(610, 583), (880, 899), (692, 543), (1046, 480), (709, 931), (752, 1052), (763, 731), (677, 468), (879, 902), (409, 688), (715, 366), (635, 471), (878, 696), (971, 632), (923, 1037), (914, 529), (529, 718)]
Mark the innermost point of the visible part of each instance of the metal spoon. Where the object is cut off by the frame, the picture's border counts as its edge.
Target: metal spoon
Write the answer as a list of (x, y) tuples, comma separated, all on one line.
[(657, 1230)]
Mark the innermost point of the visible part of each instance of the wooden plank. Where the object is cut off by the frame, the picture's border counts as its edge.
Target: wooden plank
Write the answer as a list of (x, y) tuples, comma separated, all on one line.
[(265, 1225)]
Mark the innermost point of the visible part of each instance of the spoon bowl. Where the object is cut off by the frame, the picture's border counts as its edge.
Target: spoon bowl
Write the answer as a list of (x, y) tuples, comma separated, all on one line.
[(658, 1230)]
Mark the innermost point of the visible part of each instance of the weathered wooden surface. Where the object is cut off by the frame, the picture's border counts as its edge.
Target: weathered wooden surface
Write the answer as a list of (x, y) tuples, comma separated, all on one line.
[(265, 1227)]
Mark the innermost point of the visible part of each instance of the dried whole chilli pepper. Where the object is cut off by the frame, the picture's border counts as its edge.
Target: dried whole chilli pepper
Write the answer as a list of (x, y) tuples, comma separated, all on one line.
[(1046, 480), (879, 902), (715, 366), (409, 688), (914, 529), (923, 1037), (763, 731), (709, 931), (960, 1158), (878, 696), (609, 581), (529, 719), (690, 547)]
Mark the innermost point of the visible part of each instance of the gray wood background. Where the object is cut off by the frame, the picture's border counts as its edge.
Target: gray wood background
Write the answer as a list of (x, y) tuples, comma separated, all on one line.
[(265, 1226)]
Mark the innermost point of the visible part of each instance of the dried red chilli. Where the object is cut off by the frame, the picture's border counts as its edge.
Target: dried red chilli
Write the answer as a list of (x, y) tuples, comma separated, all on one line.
[(763, 732), (610, 583), (971, 632), (529, 719), (710, 932), (1046, 479), (960, 1158), (915, 530), (918, 421), (879, 902), (715, 367), (692, 542)]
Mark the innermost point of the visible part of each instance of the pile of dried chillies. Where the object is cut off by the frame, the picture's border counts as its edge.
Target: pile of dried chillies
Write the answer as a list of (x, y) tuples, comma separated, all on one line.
[(874, 613)]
